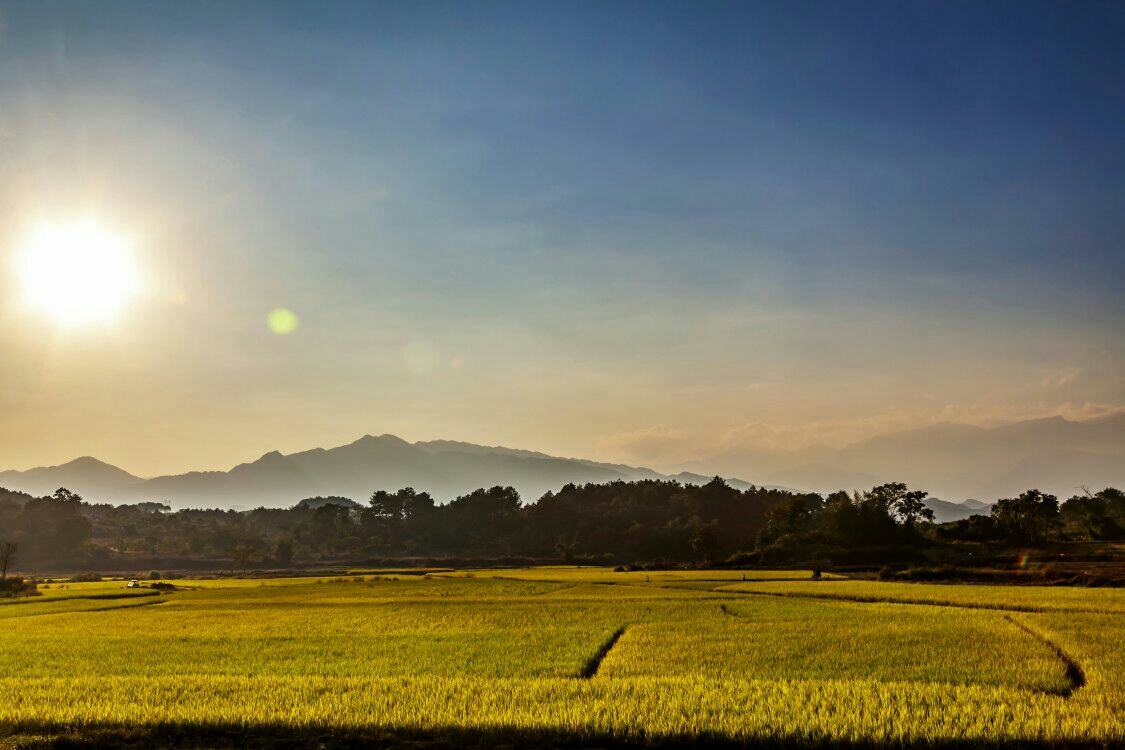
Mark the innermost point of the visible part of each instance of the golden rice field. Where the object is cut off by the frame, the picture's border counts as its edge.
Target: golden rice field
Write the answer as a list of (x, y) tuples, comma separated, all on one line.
[(574, 656)]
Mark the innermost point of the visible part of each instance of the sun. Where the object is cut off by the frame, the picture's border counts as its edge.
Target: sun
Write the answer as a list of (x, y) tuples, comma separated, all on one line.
[(77, 273)]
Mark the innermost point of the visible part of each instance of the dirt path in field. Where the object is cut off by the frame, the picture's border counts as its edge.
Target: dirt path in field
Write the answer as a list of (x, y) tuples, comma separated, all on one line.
[(595, 662)]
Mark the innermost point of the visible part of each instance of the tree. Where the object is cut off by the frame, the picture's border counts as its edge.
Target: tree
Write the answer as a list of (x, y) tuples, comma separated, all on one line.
[(705, 542), (54, 528), (283, 556), (842, 519), (246, 551), (483, 518), (417, 507), (975, 528), (7, 557), (1028, 519), (565, 546), (793, 515), (911, 508), (327, 527), (1097, 516), (387, 506), (895, 499)]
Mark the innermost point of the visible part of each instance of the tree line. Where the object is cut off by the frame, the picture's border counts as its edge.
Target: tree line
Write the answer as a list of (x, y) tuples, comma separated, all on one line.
[(882, 524), (622, 521), (614, 523)]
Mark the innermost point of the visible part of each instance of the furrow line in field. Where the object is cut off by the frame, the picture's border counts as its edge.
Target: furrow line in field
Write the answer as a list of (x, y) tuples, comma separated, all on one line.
[(77, 598), (92, 609), (595, 662), (1074, 672), (887, 600)]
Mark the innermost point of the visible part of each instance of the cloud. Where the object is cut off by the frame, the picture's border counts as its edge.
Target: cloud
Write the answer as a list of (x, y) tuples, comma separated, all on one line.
[(655, 445), (1058, 378), (990, 415)]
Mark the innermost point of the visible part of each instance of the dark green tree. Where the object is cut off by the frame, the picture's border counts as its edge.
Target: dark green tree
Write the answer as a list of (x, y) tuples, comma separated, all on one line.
[(1099, 516), (1031, 518), (283, 553), (8, 552)]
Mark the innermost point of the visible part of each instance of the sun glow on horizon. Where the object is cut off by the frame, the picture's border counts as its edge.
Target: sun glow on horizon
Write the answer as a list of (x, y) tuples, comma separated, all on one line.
[(77, 273)]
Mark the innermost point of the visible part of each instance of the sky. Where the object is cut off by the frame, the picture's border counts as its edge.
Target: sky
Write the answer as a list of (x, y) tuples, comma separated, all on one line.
[(640, 232)]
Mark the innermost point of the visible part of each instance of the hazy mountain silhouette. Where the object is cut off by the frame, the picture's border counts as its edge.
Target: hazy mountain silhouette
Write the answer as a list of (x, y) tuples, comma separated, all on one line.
[(945, 511), (687, 477), (444, 468), (95, 476), (948, 460), (954, 460)]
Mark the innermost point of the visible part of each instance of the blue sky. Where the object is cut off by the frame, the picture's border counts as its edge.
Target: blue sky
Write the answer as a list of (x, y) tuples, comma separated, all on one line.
[(621, 221)]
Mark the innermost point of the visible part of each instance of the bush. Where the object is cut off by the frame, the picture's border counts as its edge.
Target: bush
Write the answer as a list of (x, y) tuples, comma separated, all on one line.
[(739, 559), (887, 573), (17, 586)]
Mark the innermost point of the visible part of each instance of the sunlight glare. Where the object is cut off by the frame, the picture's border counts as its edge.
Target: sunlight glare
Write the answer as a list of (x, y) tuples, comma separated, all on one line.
[(77, 273)]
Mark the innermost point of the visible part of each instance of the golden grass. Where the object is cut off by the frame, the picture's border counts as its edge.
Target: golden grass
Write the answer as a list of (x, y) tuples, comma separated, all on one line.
[(501, 651)]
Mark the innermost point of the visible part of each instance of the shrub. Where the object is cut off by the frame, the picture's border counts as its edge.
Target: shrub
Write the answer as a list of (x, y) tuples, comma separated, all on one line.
[(17, 586)]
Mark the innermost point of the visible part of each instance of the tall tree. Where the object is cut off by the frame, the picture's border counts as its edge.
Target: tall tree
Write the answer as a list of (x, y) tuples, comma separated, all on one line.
[(7, 557), (1030, 518)]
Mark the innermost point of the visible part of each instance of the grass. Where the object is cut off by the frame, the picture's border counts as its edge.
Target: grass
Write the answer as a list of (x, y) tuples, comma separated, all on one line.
[(1010, 598), (98, 590), (563, 655), (828, 641)]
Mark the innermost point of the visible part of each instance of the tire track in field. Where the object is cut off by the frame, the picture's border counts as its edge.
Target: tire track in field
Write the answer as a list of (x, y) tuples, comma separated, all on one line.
[(1075, 675), (595, 662)]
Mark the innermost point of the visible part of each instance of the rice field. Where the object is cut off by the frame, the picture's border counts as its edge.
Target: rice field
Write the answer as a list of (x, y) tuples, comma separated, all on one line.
[(566, 656)]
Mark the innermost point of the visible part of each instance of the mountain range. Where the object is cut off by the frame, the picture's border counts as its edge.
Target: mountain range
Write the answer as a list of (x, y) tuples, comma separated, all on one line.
[(443, 468), (1054, 454), (951, 461)]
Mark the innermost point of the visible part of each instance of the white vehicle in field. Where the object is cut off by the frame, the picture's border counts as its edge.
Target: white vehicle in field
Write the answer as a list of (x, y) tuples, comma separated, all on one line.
[(133, 584)]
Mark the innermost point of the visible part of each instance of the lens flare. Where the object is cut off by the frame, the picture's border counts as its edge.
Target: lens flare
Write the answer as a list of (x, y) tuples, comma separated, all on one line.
[(282, 321)]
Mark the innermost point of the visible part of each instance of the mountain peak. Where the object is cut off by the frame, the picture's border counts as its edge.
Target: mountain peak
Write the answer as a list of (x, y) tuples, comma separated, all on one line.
[(84, 475), (384, 439), (90, 464), (87, 462)]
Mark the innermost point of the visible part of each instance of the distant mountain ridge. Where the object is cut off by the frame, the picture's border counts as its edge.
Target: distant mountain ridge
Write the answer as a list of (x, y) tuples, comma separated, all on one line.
[(1054, 454), (948, 460), (95, 476), (945, 511), (443, 468)]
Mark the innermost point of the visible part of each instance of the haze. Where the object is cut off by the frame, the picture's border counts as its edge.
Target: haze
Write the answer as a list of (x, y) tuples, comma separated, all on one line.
[(676, 235)]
